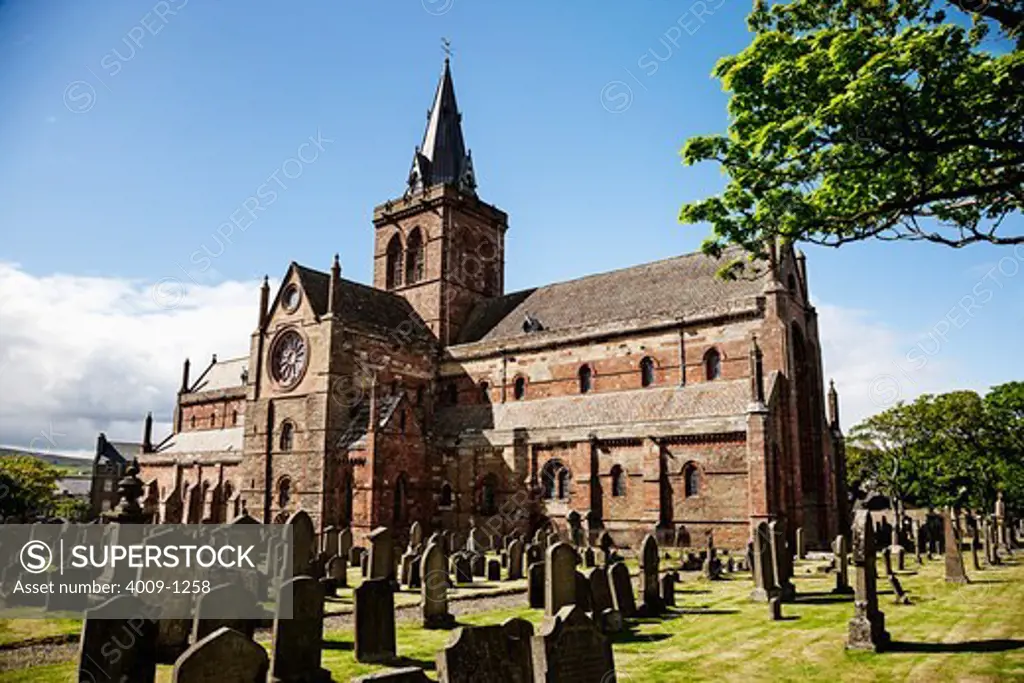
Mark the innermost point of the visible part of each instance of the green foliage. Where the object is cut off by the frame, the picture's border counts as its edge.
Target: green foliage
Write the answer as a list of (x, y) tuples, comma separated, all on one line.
[(26, 486), (853, 119), (71, 509), (953, 449)]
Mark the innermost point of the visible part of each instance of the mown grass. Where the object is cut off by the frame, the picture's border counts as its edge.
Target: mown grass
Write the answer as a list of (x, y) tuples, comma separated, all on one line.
[(950, 633)]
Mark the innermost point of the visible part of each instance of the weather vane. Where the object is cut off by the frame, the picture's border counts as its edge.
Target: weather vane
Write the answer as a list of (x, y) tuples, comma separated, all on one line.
[(446, 47)]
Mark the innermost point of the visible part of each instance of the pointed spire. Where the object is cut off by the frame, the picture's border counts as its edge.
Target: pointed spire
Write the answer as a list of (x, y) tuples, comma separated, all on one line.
[(264, 300), (833, 405), (147, 434), (184, 376), (442, 158), (756, 372), (332, 286)]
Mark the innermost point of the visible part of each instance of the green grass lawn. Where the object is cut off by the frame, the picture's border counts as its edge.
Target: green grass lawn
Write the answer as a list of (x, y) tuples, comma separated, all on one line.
[(950, 633)]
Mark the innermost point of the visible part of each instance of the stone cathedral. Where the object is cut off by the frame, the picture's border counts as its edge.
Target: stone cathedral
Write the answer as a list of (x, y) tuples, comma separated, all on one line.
[(657, 397)]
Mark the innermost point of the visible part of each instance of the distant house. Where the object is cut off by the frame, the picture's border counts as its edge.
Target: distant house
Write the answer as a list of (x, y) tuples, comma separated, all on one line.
[(112, 457)]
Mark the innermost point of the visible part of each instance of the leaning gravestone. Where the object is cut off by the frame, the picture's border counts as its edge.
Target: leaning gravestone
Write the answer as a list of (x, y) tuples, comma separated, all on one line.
[(622, 589), (782, 560), (867, 628), (219, 598), (223, 656), (488, 653), (955, 572), (559, 578), (570, 647), (434, 588), (298, 641), (763, 566), (375, 621), (649, 587), (136, 662)]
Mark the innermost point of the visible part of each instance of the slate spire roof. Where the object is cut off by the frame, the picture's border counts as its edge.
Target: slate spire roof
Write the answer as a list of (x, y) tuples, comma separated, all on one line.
[(443, 158)]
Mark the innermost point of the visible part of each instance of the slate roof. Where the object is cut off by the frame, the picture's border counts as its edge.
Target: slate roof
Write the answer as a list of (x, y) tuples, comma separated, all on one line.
[(683, 286), (363, 306), (223, 374), (442, 158), (359, 425), (724, 398), (205, 441)]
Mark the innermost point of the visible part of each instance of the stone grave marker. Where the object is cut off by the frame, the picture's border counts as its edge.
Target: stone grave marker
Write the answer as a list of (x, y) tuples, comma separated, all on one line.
[(478, 564), (763, 567), (867, 628), (782, 561), (416, 536), (330, 541), (345, 543), (136, 662), (461, 568), (434, 589), (304, 545), (600, 590), (375, 621), (955, 572), (381, 564), (668, 589), (842, 566), (775, 608), (622, 589), (515, 560), (298, 641), (493, 570), (223, 656), (570, 647), (649, 588), (535, 587), (499, 652), (221, 596), (559, 578), (337, 571)]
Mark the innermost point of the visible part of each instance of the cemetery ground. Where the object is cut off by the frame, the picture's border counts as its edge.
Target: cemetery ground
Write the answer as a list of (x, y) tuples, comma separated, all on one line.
[(950, 633)]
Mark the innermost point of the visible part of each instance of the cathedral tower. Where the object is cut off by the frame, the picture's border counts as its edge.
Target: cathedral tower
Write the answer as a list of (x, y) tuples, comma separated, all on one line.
[(439, 245)]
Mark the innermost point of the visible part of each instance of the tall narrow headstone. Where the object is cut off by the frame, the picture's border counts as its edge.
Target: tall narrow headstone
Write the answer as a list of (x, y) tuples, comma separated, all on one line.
[(801, 551), (330, 541), (375, 621), (649, 588), (535, 585), (842, 572), (515, 560), (559, 578), (345, 543), (955, 572), (434, 588), (570, 647), (303, 543), (763, 566), (782, 561), (136, 658), (298, 640), (381, 564), (416, 536), (223, 656), (622, 589), (867, 628)]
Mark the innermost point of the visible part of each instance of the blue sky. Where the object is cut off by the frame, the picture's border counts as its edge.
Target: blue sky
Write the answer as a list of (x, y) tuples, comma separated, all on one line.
[(134, 129)]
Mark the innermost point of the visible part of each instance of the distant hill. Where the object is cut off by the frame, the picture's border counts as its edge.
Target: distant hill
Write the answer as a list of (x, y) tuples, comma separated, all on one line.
[(70, 465)]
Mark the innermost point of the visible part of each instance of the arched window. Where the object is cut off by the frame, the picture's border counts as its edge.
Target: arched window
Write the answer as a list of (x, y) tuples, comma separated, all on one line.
[(234, 418), (691, 475), (401, 510), (447, 497), (451, 393), (646, 372), (287, 437), (489, 495), (213, 421), (712, 364), (192, 422), (586, 377), (519, 388), (554, 479), (394, 263), (618, 481), (485, 391), (284, 492), (414, 257)]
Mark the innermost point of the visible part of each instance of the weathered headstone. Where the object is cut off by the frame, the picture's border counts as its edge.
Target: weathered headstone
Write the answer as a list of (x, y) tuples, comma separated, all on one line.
[(867, 628), (298, 640), (375, 621), (329, 546), (535, 585), (337, 571), (600, 590), (461, 568), (763, 566), (668, 589), (559, 578), (493, 570), (649, 588), (304, 544), (382, 554), (775, 609), (415, 536), (801, 551), (570, 647), (622, 589), (515, 560), (136, 660), (228, 595), (955, 572), (842, 571), (782, 561), (345, 543), (223, 656), (478, 564), (488, 653), (434, 589)]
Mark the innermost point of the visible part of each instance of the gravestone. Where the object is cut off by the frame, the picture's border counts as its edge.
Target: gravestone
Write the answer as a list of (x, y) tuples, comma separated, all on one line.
[(375, 621), (409, 559), (415, 536), (649, 588), (298, 641), (916, 531), (515, 560), (337, 571), (570, 647), (583, 592), (330, 541), (775, 609), (461, 568), (345, 543), (500, 652), (622, 589), (589, 558), (899, 595), (605, 543), (364, 565), (304, 544), (355, 554), (559, 578), (711, 569), (782, 561), (668, 589), (801, 551), (535, 585), (763, 567), (478, 564), (493, 570), (575, 522), (534, 553), (223, 656), (599, 589), (136, 662), (955, 572), (867, 628), (842, 572), (381, 564), (220, 598), (434, 590)]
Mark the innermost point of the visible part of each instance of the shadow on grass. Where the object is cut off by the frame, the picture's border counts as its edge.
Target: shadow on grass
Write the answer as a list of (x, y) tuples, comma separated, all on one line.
[(425, 664), (823, 598), (633, 636), (338, 645), (999, 645)]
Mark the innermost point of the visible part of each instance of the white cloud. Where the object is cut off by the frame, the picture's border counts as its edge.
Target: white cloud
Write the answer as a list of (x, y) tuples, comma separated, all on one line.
[(80, 355), (875, 365)]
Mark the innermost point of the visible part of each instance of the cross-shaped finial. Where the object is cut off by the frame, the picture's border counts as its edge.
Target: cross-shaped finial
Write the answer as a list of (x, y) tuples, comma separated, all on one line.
[(446, 47)]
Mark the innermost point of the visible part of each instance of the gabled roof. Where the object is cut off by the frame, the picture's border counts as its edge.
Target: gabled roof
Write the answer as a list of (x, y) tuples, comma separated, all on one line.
[(205, 441), (679, 287), (359, 425), (222, 374), (364, 307), (442, 158)]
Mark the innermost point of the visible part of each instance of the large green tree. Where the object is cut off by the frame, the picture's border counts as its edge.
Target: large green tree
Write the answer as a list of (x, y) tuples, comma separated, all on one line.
[(857, 119), (27, 486)]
